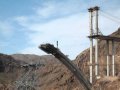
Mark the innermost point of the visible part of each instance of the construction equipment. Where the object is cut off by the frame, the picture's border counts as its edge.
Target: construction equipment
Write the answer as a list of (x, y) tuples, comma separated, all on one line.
[(50, 49)]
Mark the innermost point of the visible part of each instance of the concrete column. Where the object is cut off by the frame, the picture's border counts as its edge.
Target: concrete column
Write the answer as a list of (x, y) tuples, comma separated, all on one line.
[(107, 47), (96, 57), (113, 58), (96, 43), (91, 43)]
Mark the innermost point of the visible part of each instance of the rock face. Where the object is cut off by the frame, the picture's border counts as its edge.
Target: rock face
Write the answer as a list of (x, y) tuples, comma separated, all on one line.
[(53, 75), (8, 70)]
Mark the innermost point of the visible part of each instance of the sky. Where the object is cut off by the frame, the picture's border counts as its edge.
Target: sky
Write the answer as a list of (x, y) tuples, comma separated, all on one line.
[(25, 24)]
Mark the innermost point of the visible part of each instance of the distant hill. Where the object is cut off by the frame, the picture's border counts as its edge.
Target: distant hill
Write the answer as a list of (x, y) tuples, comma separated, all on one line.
[(30, 58)]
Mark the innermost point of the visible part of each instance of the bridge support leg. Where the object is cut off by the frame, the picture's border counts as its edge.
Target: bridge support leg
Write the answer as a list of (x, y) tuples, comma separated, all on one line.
[(107, 47), (91, 60), (96, 58), (96, 46), (113, 58), (91, 44)]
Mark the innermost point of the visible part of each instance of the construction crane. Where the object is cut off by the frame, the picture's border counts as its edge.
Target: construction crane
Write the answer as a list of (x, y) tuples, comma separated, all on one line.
[(50, 49)]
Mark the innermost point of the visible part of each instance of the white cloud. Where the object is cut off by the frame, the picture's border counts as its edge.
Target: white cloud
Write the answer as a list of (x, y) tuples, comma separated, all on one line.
[(6, 29), (32, 50), (6, 32), (71, 31), (45, 12), (23, 20), (55, 8)]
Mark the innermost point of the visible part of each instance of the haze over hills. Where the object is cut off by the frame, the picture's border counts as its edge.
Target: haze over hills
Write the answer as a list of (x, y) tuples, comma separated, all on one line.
[(53, 75)]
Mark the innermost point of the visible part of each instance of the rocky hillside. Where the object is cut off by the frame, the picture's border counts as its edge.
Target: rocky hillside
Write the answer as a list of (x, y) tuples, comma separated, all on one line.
[(53, 75), (82, 61), (29, 58), (8, 71)]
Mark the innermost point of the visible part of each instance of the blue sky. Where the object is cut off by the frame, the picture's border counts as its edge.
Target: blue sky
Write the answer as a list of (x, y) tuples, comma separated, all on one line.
[(25, 24)]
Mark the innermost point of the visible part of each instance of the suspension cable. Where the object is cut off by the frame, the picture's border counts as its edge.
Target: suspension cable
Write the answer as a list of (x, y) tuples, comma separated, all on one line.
[(110, 17)]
